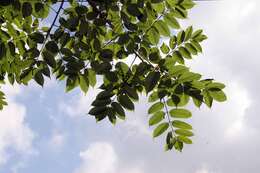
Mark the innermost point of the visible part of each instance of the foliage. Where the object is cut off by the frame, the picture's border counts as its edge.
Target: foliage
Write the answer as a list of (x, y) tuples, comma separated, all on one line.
[(95, 38)]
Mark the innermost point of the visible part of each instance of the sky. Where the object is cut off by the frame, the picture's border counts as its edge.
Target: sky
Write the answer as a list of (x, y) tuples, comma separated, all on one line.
[(48, 130)]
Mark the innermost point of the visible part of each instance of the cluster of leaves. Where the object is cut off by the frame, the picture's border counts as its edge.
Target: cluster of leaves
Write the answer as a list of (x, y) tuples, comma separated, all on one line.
[(93, 38)]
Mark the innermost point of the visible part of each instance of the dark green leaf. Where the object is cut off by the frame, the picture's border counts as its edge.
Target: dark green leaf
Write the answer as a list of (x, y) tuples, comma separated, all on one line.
[(151, 81), (126, 102)]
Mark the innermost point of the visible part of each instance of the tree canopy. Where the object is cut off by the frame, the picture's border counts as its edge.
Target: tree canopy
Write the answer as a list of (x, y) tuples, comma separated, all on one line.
[(136, 46)]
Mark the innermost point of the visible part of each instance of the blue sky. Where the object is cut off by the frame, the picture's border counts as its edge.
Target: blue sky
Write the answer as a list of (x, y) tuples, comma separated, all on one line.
[(48, 130)]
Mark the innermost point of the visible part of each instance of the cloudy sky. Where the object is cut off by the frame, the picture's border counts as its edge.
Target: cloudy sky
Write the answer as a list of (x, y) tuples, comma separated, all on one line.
[(46, 130)]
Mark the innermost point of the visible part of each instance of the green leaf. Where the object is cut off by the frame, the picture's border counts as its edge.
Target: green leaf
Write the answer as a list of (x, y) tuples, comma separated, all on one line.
[(91, 77), (171, 21), (189, 76), (49, 58), (126, 102), (181, 125), (165, 49), (101, 103), (37, 37), (119, 110), (162, 27), (180, 113), (178, 145), (173, 42), (156, 118), (180, 37), (41, 10), (97, 110), (71, 83), (83, 83), (2, 50), (185, 53), (160, 129), (106, 55), (187, 4), (5, 2), (196, 33), (131, 92), (191, 49), (184, 132), (26, 9), (38, 77), (219, 96), (151, 81), (52, 47), (155, 107), (216, 85), (184, 139), (153, 36), (133, 10), (188, 33)]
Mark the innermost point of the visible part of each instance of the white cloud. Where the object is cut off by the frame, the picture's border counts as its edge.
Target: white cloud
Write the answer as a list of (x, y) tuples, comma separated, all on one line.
[(100, 157), (57, 141), (14, 132)]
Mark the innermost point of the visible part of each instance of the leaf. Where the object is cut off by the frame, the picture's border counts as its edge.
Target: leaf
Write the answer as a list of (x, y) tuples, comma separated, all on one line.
[(184, 139), (155, 107), (119, 110), (97, 110), (131, 92), (196, 34), (5, 2), (71, 83), (2, 50), (178, 145), (160, 129), (37, 37), (101, 103), (184, 132), (106, 55), (91, 77), (191, 49), (170, 20), (180, 37), (153, 36), (219, 96), (133, 10), (38, 77), (173, 42), (26, 9), (207, 99), (156, 118), (49, 58), (41, 10), (189, 76), (216, 85), (153, 97), (185, 53), (151, 81), (83, 83), (162, 27), (181, 125), (165, 49), (180, 113), (126, 102), (188, 33), (187, 4), (52, 47)]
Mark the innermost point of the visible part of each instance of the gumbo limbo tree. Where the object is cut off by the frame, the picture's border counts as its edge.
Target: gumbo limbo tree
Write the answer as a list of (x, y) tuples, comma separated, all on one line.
[(90, 38)]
